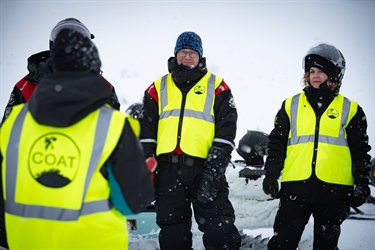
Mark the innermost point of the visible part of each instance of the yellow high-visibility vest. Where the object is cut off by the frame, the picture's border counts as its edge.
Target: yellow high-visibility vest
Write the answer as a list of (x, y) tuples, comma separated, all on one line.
[(55, 196), (197, 116), (333, 160)]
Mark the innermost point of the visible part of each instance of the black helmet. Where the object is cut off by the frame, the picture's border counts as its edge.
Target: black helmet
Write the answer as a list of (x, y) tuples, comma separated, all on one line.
[(134, 110), (252, 147), (82, 55), (329, 53), (69, 23)]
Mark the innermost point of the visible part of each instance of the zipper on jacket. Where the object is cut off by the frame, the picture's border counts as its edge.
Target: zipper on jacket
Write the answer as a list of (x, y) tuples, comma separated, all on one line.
[(316, 140), (183, 102)]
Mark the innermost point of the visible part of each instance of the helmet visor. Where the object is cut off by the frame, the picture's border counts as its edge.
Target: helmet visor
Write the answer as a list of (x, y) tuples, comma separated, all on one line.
[(70, 25)]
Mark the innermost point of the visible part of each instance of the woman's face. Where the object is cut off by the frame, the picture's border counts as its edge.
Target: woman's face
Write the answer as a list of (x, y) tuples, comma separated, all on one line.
[(317, 77)]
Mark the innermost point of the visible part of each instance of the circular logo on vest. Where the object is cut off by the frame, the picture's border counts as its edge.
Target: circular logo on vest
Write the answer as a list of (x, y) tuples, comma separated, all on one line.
[(53, 160), (332, 113), (199, 90)]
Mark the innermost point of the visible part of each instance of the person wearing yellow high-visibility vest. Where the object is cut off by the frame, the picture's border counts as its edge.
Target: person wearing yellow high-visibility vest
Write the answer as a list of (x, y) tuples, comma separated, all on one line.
[(320, 147), (72, 167), (189, 121)]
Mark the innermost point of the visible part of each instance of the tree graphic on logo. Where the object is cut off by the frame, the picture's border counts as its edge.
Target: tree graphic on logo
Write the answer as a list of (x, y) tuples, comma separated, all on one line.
[(54, 160)]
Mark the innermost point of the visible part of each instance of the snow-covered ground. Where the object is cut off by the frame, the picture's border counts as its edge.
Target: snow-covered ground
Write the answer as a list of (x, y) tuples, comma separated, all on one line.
[(255, 213)]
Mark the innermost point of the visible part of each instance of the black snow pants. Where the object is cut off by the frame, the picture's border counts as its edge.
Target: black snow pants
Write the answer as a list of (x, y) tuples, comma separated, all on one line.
[(176, 193), (293, 215)]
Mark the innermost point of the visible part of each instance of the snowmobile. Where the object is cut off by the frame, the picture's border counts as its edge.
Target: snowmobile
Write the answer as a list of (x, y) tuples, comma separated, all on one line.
[(252, 147), (141, 226), (134, 110), (367, 210)]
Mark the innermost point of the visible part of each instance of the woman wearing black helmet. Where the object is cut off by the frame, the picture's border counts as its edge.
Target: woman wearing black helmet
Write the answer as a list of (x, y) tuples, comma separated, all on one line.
[(319, 144)]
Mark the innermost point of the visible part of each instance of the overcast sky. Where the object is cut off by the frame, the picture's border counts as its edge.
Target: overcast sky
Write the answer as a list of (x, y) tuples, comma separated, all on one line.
[(256, 46)]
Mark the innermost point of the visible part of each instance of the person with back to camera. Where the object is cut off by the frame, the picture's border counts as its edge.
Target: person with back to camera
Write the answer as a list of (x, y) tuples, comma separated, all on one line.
[(320, 145), (188, 121), (39, 66), (72, 167)]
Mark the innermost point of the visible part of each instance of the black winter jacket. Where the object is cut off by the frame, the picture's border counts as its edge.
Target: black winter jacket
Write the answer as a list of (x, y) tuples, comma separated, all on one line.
[(66, 107), (185, 78), (314, 190)]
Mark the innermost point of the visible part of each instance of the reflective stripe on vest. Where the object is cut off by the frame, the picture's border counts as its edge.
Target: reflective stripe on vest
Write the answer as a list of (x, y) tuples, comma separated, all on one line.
[(205, 115), (47, 212), (340, 140), (320, 148), (197, 129)]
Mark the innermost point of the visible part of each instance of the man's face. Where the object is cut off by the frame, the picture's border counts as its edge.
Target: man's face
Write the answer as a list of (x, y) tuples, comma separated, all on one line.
[(188, 57)]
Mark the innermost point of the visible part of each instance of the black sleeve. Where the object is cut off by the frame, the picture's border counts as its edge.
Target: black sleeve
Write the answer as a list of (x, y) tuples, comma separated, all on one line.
[(3, 237), (130, 171), (277, 145), (16, 97), (148, 119), (358, 144), (114, 102), (225, 120)]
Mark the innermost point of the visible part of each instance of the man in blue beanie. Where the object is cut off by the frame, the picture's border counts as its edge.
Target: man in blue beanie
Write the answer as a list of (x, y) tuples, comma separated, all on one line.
[(189, 121)]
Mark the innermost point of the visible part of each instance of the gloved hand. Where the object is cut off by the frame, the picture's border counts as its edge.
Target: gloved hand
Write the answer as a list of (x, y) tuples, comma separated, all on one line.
[(217, 159), (212, 178), (151, 165), (209, 186), (360, 195), (271, 187)]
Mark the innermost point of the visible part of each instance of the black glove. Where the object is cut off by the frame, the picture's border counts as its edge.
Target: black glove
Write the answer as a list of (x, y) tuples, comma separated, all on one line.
[(271, 187), (213, 174), (360, 195), (209, 186), (218, 159)]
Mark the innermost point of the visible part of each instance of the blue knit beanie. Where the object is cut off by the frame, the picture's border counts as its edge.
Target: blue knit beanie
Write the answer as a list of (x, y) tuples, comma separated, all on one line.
[(189, 40)]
